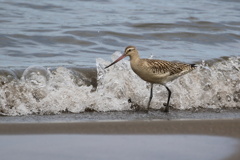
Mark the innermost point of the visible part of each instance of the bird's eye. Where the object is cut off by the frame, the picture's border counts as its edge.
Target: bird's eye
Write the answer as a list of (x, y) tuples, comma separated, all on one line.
[(129, 50)]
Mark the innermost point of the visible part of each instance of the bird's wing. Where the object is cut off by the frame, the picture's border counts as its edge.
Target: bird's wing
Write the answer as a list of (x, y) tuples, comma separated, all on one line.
[(163, 67)]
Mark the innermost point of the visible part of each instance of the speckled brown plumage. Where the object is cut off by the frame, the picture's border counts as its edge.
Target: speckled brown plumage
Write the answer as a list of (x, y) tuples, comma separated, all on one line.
[(160, 67)]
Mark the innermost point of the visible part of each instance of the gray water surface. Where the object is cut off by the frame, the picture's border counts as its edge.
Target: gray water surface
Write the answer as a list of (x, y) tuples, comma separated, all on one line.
[(75, 33), (118, 147)]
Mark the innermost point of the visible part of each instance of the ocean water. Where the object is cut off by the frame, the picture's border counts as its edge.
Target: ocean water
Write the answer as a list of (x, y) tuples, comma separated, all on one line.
[(53, 54)]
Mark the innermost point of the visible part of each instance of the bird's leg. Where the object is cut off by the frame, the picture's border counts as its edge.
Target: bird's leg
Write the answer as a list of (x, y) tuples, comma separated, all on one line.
[(169, 95), (151, 95)]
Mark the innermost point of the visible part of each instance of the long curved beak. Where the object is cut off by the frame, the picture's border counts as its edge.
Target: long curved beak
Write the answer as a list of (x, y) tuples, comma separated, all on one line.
[(120, 58)]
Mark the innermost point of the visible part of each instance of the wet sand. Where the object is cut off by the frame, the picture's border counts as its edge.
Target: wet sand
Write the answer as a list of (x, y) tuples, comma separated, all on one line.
[(205, 122), (227, 127)]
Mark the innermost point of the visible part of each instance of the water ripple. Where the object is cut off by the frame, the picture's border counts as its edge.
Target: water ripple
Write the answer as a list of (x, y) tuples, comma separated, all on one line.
[(78, 32)]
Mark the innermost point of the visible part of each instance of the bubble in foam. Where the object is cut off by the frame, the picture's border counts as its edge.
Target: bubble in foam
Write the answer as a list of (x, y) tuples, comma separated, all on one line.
[(36, 75), (7, 76)]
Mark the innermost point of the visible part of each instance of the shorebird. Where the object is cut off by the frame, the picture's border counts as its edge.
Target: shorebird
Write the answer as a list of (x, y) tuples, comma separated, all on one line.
[(155, 71)]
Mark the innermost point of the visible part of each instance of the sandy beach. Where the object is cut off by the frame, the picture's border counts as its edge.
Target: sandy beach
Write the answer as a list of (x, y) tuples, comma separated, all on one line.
[(228, 127), (202, 122)]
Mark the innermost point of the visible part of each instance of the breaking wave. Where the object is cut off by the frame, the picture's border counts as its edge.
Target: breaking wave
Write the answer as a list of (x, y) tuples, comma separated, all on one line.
[(40, 90)]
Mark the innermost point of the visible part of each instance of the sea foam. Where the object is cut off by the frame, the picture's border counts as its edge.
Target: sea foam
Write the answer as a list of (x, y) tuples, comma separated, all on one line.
[(40, 90)]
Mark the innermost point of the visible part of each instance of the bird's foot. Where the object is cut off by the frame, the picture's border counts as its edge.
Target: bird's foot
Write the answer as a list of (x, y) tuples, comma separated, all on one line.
[(166, 108)]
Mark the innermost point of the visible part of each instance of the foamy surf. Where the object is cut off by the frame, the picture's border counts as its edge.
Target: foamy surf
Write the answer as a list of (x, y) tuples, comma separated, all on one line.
[(40, 90)]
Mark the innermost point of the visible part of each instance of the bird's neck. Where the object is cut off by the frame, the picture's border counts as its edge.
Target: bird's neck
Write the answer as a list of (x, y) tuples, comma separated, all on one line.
[(134, 57)]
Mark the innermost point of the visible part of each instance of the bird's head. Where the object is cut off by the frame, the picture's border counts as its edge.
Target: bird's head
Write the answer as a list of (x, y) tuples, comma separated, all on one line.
[(129, 51)]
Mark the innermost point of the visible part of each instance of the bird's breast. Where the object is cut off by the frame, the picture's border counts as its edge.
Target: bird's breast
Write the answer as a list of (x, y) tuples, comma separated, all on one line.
[(148, 73)]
